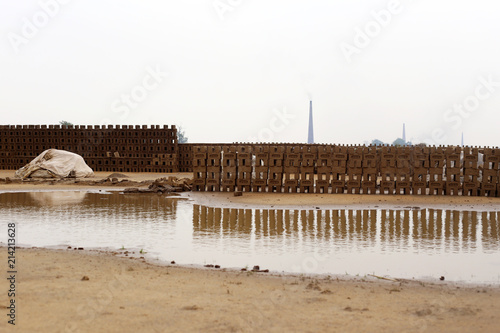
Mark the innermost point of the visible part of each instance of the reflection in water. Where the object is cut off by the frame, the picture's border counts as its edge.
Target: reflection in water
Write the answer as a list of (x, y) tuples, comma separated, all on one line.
[(57, 198), (462, 245), (426, 230), (96, 220)]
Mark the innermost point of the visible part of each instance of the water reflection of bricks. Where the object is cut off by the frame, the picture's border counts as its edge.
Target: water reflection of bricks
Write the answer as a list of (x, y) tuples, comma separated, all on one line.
[(422, 230)]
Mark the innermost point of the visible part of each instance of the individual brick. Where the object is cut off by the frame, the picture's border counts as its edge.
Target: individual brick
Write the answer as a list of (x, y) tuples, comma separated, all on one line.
[(403, 160), (355, 160), (470, 188), (353, 186), (420, 174), (470, 158), (338, 186), (199, 184), (259, 185), (471, 175), (436, 187), (243, 185), (370, 160), (262, 159), (437, 160), (324, 159), (489, 176), (369, 187), (452, 187), (453, 161), (403, 187), (387, 186), (388, 161), (340, 160), (421, 159), (488, 189), (291, 185), (306, 185), (322, 186), (370, 174)]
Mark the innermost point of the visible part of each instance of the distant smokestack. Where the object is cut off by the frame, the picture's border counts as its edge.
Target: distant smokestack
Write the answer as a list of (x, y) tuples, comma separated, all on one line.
[(404, 134), (462, 139), (310, 133)]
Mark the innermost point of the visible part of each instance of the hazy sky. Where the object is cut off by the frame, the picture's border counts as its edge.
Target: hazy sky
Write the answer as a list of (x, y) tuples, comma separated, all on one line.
[(244, 70)]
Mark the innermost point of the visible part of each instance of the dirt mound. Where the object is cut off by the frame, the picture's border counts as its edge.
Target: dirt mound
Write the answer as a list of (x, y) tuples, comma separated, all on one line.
[(162, 185), (117, 175)]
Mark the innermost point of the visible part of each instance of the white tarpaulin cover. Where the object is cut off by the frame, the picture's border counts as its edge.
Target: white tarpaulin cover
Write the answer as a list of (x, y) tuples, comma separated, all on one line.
[(56, 163)]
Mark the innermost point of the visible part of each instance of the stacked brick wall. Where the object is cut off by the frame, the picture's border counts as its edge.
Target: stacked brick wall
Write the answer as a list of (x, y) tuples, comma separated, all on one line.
[(280, 168), (289, 168), (185, 157), (105, 148)]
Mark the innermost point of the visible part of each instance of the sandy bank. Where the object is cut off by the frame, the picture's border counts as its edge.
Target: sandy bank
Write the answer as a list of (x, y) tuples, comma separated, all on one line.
[(129, 295), (336, 201)]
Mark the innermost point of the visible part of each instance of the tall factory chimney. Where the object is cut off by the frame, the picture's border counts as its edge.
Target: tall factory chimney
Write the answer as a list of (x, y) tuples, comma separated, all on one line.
[(404, 134), (310, 133)]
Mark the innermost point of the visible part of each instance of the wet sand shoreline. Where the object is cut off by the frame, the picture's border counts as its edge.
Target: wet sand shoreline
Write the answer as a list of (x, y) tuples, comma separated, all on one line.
[(123, 294), (341, 201)]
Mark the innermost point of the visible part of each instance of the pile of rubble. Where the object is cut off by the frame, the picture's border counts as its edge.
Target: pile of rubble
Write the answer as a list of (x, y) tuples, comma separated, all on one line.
[(8, 180), (164, 185)]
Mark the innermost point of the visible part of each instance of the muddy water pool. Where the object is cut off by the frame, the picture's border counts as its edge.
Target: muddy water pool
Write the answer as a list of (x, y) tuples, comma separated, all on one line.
[(407, 243)]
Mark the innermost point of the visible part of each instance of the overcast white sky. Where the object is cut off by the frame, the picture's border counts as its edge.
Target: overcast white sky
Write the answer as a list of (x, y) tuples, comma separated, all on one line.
[(240, 70)]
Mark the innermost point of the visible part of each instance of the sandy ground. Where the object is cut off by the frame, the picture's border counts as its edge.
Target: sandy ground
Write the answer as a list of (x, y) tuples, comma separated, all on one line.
[(131, 295), (352, 201)]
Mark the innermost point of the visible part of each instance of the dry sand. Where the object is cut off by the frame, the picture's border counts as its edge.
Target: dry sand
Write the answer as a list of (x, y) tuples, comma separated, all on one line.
[(131, 295)]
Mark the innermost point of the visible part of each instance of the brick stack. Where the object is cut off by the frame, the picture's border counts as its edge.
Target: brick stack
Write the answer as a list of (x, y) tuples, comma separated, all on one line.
[(291, 169), (229, 169), (199, 168), (370, 165), (387, 170), (339, 168), (453, 171), (489, 185), (244, 167), (308, 168), (354, 169), (324, 164), (214, 169), (470, 172), (350, 169), (261, 168), (107, 148), (185, 157), (275, 180)]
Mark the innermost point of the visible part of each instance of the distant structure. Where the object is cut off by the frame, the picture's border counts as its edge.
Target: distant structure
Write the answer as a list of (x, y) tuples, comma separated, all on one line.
[(404, 134), (462, 139), (310, 133)]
